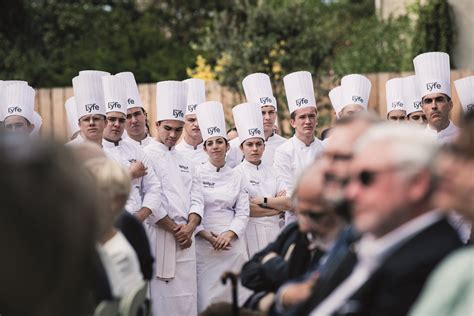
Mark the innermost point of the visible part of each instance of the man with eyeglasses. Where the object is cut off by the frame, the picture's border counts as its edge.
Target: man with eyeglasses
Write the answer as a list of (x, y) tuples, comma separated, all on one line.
[(144, 198), (433, 75), (392, 182), (136, 124)]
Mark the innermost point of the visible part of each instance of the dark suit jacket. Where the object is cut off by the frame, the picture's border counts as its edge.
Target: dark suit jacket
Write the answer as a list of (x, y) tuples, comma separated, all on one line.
[(135, 234), (395, 286)]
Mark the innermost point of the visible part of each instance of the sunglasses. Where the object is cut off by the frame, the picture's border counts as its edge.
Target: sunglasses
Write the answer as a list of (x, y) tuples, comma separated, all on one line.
[(112, 119), (368, 177)]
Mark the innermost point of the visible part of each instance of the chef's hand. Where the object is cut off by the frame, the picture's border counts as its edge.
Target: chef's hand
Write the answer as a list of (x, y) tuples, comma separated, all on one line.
[(183, 234), (137, 169), (223, 240), (142, 214)]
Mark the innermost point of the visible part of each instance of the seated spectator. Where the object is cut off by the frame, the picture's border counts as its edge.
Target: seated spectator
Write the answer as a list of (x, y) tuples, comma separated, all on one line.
[(450, 289), (120, 260), (48, 229)]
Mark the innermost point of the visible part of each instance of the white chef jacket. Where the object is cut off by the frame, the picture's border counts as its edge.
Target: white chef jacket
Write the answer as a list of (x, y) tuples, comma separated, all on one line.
[(447, 135), (197, 155), (78, 140), (142, 143), (226, 199), (235, 156), (124, 263), (146, 190), (181, 190), (292, 158), (261, 181)]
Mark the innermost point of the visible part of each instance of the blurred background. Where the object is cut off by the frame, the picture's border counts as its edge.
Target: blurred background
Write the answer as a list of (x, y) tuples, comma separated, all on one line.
[(47, 42)]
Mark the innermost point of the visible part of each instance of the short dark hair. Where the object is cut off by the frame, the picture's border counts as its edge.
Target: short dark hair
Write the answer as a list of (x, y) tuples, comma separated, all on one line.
[(47, 229)]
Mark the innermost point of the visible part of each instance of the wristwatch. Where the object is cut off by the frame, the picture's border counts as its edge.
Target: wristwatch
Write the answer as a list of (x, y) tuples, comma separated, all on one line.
[(264, 204)]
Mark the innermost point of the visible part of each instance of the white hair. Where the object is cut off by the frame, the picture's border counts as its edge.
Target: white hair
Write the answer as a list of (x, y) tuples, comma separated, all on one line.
[(412, 146)]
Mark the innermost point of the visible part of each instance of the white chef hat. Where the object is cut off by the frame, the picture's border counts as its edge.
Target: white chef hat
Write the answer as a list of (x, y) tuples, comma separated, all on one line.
[(94, 72), (335, 95), (299, 90), (115, 94), (394, 94), (465, 89), (171, 97), (131, 90), (248, 121), (411, 95), (210, 116), (258, 89), (433, 73), (3, 85), (89, 93), (71, 114), (355, 90), (19, 99), (38, 122), (196, 94)]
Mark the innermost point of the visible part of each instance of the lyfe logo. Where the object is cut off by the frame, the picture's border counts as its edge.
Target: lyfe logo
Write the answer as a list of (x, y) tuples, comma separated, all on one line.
[(301, 101), (130, 101), (397, 104), (254, 131), (192, 108), (114, 105), (14, 109), (470, 108), (212, 130), (433, 85), (266, 100), (92, 107), (417, 105), (178, 113), (357, 99)]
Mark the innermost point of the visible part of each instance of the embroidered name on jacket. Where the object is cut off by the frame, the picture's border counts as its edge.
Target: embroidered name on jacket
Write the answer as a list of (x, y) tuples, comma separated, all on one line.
[(208, 184), (183, 168), (253, 182)]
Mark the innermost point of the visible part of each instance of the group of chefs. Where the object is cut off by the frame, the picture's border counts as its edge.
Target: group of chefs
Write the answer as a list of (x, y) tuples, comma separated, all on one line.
[(208, 203)]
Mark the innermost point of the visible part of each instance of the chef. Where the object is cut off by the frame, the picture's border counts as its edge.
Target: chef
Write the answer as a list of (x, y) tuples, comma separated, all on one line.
[(267, 196), (191, 144), (144, 198), (433, 76), (18, 108), (173, 288), (136, 125), (465, 90), (396, 111), (300, 150), (355, 94), (335, 95), (258, 90), (412, 101), (220, 239), (37, 123), (90, 106)]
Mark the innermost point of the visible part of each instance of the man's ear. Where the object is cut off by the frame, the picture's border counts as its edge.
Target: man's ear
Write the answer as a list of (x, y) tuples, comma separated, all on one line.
[(31, 127), (293, 123), (421, 185)]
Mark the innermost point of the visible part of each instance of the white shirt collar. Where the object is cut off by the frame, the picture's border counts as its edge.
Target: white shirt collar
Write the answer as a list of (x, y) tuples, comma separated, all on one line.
[(199, 146), (251, 165), (108, 144), (210, 167), (372, 249), (298, 142)]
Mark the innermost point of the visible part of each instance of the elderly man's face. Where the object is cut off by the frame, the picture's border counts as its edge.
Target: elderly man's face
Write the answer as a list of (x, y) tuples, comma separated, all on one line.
[(437, 107), (377, 190)]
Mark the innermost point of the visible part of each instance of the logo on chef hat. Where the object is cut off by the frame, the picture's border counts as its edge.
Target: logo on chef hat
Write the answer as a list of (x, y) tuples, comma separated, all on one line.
[(178, 113), (192, 108), (433, 85), (212, 130), (254, 131), (130, 101), (470, 108), (357, 99), (265, 100), (397, 104), (92, 107), (301, 101), (114, 105), (417, 105), (14, 109)]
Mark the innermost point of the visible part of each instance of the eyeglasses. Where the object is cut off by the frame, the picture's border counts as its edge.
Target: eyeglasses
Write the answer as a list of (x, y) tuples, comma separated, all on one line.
[(113, 119), (368, 177), (315, 216), (330, 177), (338, 156)]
